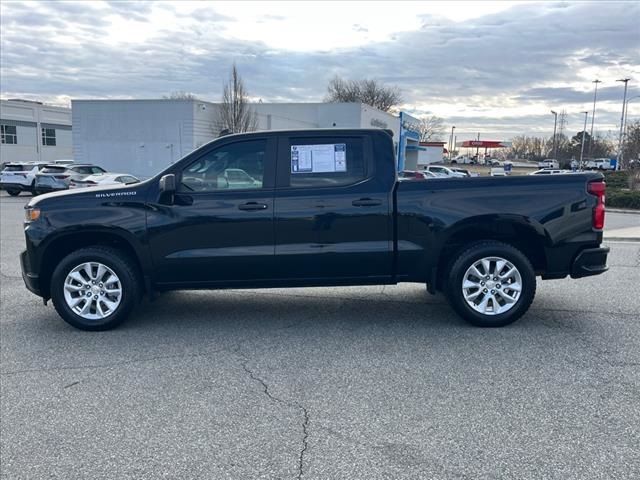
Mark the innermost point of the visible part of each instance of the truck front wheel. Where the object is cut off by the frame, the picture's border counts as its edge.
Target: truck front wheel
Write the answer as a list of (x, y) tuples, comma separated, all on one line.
[(491, 284), (95, 288)]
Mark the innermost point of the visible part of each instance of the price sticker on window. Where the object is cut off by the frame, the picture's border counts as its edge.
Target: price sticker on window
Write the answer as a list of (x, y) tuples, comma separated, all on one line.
[(319, 158)]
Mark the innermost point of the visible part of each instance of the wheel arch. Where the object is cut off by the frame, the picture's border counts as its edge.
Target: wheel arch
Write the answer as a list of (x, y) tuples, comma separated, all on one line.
[(67, 242), (520, 232)]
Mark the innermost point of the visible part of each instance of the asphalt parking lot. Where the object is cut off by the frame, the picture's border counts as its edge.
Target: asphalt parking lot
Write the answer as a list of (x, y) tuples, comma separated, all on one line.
[(345, 383)]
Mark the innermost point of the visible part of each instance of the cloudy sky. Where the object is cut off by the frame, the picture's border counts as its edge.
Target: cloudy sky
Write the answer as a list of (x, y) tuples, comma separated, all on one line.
[(491, 67)]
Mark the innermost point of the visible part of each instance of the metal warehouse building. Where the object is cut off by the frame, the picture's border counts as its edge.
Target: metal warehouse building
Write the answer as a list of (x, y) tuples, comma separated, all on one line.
[(31, 131), (144, 136)]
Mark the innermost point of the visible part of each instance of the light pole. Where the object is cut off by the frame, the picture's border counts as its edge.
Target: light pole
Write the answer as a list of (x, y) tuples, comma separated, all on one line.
[(584, 134), (450, 142), (555, 124), (593, 115), (624, 102)]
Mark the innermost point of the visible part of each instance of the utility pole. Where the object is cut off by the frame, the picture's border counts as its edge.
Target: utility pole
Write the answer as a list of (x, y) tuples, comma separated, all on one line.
[(555, 124), (584, 134), (624, 102), (593, 115)]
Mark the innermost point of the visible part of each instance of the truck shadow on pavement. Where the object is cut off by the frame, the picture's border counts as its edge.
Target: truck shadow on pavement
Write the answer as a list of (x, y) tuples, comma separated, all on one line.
[(268, 309)]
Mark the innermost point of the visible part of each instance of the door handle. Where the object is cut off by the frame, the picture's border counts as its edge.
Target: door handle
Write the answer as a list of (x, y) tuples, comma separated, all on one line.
[(366, 202), (253, 206)]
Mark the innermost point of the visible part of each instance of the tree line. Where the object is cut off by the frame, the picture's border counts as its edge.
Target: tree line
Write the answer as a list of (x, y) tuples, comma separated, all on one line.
[(564, 149)]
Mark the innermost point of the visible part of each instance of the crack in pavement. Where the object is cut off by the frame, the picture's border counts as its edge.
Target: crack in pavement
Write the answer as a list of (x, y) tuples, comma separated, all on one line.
[(290, 404)]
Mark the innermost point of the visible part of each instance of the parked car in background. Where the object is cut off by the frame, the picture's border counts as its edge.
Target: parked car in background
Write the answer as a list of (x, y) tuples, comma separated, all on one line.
[(603, 164), (417, 175), (63, 161), (444, 171), (464, 172), (549, 171), (549, 163), (55, 177), (463, 159), (104, 179), (18, 177)]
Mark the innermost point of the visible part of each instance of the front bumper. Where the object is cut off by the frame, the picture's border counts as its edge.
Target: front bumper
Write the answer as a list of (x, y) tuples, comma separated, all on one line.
[(31, 280), (591, 261)]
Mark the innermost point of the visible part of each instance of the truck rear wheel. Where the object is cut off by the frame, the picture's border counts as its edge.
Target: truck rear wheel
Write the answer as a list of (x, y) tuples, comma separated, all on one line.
[(95, 288), (491, 284)]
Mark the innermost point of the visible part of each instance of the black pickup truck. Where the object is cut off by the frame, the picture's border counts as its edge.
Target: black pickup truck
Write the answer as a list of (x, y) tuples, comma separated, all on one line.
[(311, 208)]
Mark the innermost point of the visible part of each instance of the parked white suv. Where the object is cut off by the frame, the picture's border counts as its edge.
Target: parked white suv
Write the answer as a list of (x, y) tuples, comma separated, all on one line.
[(18, 177)]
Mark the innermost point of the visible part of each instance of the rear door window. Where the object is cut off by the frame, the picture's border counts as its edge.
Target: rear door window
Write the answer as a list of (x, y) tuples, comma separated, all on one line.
[(325, 161)]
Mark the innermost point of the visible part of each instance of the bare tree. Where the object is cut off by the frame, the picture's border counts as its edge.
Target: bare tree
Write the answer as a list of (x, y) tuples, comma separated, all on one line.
[(631, 145), (179, 95), (366, 91), (431, 128), (235, 115)]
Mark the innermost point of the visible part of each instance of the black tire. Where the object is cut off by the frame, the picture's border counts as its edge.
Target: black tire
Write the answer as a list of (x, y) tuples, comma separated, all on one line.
[(466, 259), (13, 192), (121, 265)]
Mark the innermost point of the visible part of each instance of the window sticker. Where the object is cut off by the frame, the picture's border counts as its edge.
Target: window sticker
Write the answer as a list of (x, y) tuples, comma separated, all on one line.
[(319, 158)]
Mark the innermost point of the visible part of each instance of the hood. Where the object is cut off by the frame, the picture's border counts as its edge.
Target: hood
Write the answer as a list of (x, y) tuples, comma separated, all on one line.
[(96, 192)]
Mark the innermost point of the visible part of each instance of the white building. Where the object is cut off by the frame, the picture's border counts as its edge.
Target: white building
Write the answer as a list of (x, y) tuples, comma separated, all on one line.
[(144, 136), (31, 131)]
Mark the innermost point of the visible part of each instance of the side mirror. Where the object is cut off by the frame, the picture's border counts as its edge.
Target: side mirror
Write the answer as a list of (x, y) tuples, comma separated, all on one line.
[(168, 183)]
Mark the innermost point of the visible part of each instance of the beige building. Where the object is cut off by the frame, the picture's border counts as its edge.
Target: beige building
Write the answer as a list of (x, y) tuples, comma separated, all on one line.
[(31, 131)]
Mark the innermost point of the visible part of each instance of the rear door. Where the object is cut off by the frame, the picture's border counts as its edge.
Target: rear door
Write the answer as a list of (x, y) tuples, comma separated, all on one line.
[(332, 214)]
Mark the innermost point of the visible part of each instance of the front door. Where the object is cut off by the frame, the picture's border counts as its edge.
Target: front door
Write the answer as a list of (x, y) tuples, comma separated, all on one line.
[(332, 213), (219, 228)]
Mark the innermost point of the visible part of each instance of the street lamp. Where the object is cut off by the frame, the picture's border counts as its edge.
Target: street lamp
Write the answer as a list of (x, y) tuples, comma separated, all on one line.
[(624, 102), (593, 115), (555, 124), (584, 134)]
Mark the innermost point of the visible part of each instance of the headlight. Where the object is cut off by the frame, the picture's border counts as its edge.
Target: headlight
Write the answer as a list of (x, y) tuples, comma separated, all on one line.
[(31, 214)]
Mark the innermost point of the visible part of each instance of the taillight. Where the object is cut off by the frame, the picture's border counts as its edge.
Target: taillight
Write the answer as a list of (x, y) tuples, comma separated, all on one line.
[(598, 188)]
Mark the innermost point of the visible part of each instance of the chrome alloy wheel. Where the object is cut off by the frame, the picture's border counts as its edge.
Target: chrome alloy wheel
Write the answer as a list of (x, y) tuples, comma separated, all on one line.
[(92, 290), (492, 285)]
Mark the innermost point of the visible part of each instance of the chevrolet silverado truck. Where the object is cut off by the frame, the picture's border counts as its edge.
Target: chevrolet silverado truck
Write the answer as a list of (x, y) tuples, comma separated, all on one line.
[(310, 208)]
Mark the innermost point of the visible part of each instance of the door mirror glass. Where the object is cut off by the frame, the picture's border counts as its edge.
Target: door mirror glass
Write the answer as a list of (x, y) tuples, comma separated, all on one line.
[(168, 183)]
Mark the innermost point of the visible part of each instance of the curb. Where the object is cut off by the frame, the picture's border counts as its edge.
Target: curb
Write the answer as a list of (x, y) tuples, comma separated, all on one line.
[(621, 239), (622, 210)]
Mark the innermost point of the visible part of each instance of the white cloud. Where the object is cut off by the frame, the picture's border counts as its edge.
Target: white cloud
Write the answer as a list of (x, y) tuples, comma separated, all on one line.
[(508, 63)]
